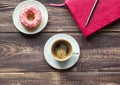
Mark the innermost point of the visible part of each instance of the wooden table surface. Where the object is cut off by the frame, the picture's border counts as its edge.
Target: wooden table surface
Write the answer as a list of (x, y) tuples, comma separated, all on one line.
[(22, 60)]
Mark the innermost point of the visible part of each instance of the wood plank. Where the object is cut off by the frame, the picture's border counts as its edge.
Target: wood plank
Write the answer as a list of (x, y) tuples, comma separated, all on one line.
[(61, 78), (22, 53), (60, 19)]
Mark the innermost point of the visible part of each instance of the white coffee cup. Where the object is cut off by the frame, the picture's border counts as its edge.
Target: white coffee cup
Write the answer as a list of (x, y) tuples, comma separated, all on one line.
[(62, 50)]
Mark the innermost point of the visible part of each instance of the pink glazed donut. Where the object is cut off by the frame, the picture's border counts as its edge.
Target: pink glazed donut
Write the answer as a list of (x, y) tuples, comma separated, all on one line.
[(30, 17)]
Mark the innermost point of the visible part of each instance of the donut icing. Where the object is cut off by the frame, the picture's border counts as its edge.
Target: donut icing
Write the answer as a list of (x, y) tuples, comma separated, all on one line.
[(30, 17)]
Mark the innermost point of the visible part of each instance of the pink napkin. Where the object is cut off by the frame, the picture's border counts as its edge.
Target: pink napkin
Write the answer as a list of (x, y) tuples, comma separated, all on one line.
[(105, 13)]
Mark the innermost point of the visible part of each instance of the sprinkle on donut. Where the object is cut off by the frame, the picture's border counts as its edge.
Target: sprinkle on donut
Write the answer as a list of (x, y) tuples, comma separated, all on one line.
[(30, 17)]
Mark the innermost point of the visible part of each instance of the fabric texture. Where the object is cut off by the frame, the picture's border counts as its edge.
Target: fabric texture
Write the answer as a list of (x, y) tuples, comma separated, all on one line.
[(106, 12)]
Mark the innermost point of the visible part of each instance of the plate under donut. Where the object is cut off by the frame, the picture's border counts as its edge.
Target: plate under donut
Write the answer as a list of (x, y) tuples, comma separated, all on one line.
[(18, 9)]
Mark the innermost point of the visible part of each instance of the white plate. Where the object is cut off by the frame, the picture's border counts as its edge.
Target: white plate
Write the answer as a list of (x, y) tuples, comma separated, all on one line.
[(66, 64), (18, 9)]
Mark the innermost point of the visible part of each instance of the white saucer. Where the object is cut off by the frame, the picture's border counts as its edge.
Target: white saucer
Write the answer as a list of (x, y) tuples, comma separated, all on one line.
[(18, 9), (66, 64)]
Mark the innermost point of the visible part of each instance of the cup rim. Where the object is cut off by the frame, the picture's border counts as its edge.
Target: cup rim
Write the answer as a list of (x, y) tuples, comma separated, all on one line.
[(65, 59)]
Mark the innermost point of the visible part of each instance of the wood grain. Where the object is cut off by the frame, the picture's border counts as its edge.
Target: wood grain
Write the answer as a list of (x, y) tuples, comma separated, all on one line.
[(22, 60), (60, 20), (21, 53), (65, 78)]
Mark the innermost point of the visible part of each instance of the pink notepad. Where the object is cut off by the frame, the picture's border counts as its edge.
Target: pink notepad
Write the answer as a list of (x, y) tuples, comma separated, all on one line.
[(106, 12)]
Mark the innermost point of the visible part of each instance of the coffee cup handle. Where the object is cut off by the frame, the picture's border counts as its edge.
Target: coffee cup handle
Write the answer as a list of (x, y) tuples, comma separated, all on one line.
[(75, 53)]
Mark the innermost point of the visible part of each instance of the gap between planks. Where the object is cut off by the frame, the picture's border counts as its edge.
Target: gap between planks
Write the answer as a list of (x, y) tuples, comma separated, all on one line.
[(102, 31), (81, 73)]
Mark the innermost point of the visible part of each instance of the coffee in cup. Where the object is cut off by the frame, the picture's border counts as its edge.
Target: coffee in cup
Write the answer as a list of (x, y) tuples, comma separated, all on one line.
[(61, 50)]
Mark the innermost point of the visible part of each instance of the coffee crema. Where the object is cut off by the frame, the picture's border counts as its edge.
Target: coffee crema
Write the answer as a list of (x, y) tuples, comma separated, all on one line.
[(61, 49)]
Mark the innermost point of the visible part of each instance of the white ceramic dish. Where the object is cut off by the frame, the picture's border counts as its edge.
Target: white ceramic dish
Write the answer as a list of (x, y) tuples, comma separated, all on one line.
[(66, 64), (18, 9)]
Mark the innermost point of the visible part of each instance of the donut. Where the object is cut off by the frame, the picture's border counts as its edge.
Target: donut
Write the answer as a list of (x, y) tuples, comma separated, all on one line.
[(30, 17)]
